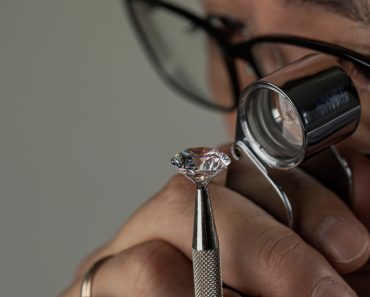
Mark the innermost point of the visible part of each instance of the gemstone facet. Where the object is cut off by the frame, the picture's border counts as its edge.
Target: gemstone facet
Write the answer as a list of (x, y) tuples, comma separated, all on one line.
[(200, 164)]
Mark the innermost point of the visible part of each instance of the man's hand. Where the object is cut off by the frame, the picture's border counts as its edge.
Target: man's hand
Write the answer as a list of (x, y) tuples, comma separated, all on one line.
[(260, 256)]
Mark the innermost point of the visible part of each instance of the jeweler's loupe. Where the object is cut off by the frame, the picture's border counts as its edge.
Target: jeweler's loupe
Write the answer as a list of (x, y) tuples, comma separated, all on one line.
[(293, 117)]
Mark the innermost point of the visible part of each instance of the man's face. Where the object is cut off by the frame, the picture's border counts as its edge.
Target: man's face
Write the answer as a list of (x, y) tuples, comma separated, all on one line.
[(342, 22)]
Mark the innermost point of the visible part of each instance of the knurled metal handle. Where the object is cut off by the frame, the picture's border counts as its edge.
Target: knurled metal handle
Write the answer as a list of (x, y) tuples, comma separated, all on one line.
[(207, 273)]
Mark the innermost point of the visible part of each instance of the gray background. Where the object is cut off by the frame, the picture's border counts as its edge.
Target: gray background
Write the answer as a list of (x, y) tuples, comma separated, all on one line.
[(83, 118)]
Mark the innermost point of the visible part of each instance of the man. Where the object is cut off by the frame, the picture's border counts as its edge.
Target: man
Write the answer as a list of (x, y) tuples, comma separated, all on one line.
[(325, 255)]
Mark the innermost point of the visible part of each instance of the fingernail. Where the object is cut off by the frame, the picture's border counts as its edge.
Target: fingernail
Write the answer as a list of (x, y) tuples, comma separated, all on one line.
[(331, 288), (341, 239)]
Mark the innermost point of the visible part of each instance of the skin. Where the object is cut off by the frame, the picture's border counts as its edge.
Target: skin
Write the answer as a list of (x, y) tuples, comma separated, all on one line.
[(261, 257)]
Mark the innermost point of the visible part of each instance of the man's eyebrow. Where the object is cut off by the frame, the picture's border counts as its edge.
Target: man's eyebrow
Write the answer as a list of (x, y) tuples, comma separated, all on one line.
[(355, 10)]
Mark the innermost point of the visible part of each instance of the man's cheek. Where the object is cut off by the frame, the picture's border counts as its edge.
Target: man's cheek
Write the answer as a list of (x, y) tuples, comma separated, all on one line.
[(230, 122), (218, 77)]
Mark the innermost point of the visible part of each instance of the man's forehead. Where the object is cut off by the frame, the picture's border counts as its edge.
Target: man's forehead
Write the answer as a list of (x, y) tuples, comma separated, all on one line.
[(355, 10)]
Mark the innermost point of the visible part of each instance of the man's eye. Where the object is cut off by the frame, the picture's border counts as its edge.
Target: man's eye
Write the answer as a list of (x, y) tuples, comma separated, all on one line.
[(229, 28)]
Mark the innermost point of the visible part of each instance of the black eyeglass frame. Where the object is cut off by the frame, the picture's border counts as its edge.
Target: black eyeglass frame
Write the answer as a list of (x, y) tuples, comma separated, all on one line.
[(232, 51)]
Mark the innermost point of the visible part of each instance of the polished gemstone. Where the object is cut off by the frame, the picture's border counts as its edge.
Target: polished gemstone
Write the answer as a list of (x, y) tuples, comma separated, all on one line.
[(200, 164)]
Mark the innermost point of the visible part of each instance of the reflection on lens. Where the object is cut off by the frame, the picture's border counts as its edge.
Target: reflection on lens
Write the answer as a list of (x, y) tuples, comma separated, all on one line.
[(271, 56), (287, 119), (274, 126), (268, 57)]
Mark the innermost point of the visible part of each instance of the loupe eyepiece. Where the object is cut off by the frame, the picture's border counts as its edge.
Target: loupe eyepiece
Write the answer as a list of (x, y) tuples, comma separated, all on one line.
[(298, 111), (292, 117)]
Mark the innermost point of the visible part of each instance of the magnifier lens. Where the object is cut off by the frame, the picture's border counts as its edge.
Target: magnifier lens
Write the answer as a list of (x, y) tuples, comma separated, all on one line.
[(274, 126)]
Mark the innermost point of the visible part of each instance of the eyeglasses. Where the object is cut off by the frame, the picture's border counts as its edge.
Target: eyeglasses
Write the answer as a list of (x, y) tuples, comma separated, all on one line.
[(207, 59)]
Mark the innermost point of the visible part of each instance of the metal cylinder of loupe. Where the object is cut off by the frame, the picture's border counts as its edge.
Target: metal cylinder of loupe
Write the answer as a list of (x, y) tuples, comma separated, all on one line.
[(318, 100)]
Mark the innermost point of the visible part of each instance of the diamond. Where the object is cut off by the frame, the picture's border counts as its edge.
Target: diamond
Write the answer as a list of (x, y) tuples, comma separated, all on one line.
[(200, 164)]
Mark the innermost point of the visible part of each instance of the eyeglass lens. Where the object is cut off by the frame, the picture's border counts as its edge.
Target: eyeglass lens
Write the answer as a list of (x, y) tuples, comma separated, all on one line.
[(272, 56), (186, 54)]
